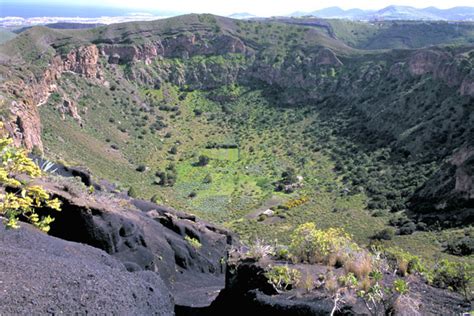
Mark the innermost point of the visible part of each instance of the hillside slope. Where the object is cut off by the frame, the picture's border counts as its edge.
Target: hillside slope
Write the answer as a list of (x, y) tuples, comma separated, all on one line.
[(262, 102)]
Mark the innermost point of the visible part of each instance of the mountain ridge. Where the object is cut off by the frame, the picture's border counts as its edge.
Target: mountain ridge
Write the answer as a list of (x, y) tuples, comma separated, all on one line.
[(394, 12)]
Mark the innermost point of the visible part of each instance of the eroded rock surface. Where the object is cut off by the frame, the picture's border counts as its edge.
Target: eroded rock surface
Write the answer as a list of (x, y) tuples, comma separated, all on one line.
[(41, 274)]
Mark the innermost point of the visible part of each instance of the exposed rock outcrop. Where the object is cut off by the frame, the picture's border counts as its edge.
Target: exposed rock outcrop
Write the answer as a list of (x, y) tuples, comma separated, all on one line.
[(41, 275), (448, 197), (146, 237), (27, 94), (248, 291), (450, 69)]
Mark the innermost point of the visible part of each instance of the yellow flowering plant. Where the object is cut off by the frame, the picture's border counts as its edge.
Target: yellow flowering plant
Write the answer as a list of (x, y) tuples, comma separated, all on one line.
[(22, 199)]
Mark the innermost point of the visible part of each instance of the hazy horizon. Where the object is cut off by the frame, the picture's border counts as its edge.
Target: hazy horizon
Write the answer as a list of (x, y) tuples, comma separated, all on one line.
[(88, 8)]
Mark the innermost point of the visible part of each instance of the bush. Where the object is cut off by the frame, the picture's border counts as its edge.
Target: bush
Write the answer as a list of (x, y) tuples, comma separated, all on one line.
[(25, 199), (407, 229), (455, 275), (141, 168), (202, 161), (403, 261), (401, 286), (384, 234), (173, 150), (289, 176), (282, 277), (207, 179), (156, 199), (132, 192), (461, 247), (309, 244)]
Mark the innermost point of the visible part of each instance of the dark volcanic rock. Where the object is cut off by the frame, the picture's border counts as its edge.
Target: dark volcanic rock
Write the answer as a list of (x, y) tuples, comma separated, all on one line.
[(146, 237), (40, 274), (248, 292)]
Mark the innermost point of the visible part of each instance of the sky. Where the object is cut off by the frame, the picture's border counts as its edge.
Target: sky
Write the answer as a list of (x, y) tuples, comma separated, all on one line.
[(257, 7)]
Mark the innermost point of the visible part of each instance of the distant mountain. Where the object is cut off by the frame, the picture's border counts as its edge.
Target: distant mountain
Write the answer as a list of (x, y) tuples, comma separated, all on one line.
[(456, 13), (394, 13), (242, 15)]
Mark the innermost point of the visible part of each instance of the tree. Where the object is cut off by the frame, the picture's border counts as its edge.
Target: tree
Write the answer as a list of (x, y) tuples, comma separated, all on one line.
[(289, 176), (21, 199), (132, 192), (202, 161)]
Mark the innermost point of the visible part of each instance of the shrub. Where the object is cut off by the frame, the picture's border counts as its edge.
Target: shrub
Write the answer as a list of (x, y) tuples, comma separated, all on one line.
[(156, 199), (294, 203), (407, 229), (461, 247), (207, 179), (282, 277), (141, 168), (289, 176), (455, 275), (348, 280), (202, 161), (403, 261), (132, 192), (173, 150), (25, 198), (384, 234), (313, 245)]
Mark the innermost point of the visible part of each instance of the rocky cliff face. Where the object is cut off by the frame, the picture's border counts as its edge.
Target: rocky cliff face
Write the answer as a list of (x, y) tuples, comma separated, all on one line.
[(453, 70), (27, 94), (180, 46), (448, 197)]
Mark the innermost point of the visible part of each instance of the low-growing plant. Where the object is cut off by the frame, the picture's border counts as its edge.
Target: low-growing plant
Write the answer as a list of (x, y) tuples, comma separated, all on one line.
[(403, 261), (194, 242), (282, 277), (259, 250), (348, 280), (400, 286)]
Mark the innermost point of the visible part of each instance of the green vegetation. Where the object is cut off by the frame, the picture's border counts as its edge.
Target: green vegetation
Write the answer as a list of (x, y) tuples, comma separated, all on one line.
[(206, 133), (24, 198), (282, 277), (409, 34), (195, 243)]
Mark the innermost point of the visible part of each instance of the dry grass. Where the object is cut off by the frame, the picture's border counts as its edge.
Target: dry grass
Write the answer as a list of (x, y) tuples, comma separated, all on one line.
[(306, 283), (402, 267), (331, 285), (361, 265), (365, 284)]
